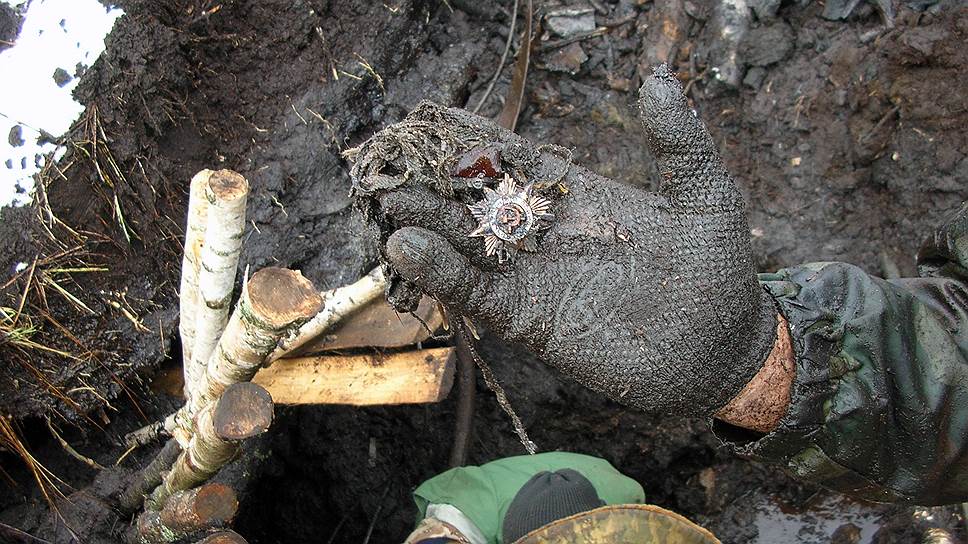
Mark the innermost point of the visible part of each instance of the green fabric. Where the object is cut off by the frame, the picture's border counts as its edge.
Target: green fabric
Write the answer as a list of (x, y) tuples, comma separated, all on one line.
[(880, 400), (484, 493)]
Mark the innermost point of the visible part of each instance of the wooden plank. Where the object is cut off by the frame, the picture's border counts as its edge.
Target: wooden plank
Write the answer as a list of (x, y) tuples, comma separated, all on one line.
[(379, 325), (411, 377)]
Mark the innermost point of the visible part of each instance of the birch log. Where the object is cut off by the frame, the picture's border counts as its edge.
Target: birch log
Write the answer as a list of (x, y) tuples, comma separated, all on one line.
[(244, 410), (133, 497), (188, 291), (225, 193), (274, 301), (210, 506), (338, 303)]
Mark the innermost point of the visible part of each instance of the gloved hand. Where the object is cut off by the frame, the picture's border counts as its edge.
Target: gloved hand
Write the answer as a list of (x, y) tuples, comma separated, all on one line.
[(649, 298)]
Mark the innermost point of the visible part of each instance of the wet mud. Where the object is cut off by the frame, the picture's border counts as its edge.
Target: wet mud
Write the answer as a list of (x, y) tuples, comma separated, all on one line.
[(848, 140), (11, 19)]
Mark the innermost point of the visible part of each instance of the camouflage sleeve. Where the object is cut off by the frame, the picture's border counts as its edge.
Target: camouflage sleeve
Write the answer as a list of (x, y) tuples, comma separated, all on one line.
[(880, 402)]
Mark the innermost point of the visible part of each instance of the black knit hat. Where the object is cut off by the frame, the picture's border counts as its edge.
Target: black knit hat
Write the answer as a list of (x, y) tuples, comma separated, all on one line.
[(548, 496)]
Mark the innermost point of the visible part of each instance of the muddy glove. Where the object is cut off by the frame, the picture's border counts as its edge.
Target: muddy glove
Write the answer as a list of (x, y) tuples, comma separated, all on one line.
[(649, 298)]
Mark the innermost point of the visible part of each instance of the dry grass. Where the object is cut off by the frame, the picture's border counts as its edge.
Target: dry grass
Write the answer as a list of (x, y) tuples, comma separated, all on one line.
[(48, 482), (30, 335), (17, 329), (93, 146), (49, 309), (92, 207), (24, 341), (21, 335)]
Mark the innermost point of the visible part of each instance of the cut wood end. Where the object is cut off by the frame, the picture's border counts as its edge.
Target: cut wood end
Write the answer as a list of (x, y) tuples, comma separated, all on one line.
[(215, 503), (224, 537), (200, 181), (281, 297), (228, 185), (244, 410)]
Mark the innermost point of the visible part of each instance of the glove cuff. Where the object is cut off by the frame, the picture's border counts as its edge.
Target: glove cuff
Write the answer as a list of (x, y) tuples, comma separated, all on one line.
[(762, 338)]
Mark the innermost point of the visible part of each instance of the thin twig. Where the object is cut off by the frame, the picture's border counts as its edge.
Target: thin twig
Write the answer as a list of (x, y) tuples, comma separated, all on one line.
[(16, 536), (73, 453), (890, 113), (504, 58), (376, 515), (502, 399), (332, 537), (145, 435), (23, 297), (465, 402), (149, 477)]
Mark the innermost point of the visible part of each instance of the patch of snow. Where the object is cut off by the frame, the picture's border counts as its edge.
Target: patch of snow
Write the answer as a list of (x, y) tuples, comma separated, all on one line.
[(56, 34)]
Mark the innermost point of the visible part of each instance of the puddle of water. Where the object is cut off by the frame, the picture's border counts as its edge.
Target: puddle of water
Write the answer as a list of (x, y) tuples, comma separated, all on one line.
[(56, 34), (777, 523)]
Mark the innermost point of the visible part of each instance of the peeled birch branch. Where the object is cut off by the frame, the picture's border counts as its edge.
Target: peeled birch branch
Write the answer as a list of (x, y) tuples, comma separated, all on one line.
[(244, 410), (338, 303), (210, 506), (223, 537), (226, 193), (188, 297)]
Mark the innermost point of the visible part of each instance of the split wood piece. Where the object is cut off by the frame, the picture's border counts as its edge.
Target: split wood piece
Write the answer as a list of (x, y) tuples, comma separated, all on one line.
[(378, 325), (188, 296), (210, 506), (274, 301), (244, 410), (226, 193), (413, 377), (223, 537), (148, 478), (338, 303)]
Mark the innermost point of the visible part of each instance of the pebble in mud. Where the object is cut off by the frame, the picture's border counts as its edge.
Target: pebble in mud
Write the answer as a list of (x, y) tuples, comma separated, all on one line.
[(767, 45), (570, 21), (15, 137), (61, 77)]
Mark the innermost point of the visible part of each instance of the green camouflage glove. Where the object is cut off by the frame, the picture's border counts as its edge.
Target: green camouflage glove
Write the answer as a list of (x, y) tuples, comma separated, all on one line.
[(649, 298)]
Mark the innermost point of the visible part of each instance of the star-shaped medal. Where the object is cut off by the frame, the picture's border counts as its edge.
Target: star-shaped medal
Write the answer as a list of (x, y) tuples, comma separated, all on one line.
[(510, 218)]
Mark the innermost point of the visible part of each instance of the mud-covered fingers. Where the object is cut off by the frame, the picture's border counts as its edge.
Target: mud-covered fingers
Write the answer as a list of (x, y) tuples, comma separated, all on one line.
[(419, 207), (691, 170), (428, 260)]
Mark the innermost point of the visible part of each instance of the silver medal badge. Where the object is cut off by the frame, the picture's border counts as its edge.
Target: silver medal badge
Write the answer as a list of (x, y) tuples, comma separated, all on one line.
[(510, 218)]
